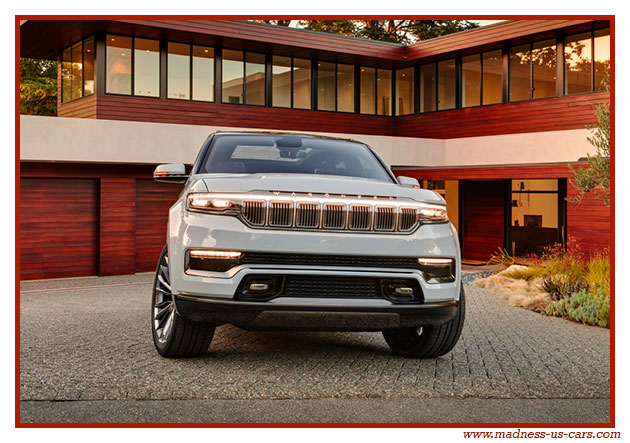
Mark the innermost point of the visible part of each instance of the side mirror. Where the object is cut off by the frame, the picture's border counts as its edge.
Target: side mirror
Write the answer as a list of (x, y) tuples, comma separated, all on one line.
[(408, 182), (171, 173)]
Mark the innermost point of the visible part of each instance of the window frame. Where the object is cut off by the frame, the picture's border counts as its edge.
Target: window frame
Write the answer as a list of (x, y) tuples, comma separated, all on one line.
[(244, 91), (336, 89), (565, 84), (531, 44), (133, 68), (292, 83), (60, 86)]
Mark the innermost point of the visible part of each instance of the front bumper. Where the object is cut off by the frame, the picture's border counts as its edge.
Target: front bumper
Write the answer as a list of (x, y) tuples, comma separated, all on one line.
[(297, 314)]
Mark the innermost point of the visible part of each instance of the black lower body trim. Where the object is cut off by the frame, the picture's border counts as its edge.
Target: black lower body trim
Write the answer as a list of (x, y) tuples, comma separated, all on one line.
[(274, 316)]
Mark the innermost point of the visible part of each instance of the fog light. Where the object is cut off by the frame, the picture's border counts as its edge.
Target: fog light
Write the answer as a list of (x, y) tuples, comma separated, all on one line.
[(437, 270), (402, 290), (258, 287)]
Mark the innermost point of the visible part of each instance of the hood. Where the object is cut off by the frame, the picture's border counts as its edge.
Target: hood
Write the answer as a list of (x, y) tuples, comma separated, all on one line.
[(317, 184)]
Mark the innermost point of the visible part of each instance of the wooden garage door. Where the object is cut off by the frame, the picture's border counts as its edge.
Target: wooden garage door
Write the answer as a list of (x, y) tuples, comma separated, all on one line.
[(153, 200), (482, 217), (58, 228)]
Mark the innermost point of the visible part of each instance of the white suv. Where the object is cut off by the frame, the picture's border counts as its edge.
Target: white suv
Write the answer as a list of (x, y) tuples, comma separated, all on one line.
[(286, 231)]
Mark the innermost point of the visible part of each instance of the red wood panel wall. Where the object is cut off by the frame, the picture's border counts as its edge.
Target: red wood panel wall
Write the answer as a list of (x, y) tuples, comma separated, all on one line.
[(117, 226), (588, 222), (58, 227), (153, 201), (570, 112), (214, 114), (80, 108)]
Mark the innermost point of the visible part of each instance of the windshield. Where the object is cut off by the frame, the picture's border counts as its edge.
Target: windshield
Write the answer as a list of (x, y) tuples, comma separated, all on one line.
[(252, 154)]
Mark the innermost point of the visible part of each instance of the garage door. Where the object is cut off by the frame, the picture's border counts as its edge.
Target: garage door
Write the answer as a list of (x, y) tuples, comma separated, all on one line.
[(58, 228), (153, 200)]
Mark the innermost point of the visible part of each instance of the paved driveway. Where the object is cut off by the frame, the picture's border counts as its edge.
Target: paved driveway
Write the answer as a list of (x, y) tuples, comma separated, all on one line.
[(89, 340)]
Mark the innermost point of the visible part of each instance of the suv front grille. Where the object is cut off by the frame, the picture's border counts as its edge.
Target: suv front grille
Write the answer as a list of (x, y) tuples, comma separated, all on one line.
[(331, 287), (336, 216)]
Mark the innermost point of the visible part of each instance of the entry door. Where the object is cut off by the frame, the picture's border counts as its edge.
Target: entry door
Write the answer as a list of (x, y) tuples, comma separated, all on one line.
[(482, 218)]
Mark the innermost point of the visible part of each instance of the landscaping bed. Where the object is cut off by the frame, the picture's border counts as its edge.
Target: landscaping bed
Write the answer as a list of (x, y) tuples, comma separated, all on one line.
[(563, 282)]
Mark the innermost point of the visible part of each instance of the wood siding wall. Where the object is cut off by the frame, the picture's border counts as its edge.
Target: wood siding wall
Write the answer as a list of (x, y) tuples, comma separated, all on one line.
[(551, 114), (587, 222), (117, 226)]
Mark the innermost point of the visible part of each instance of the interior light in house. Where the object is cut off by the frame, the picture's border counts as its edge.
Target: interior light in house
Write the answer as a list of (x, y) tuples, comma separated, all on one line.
[(205, 50), (113, 39)]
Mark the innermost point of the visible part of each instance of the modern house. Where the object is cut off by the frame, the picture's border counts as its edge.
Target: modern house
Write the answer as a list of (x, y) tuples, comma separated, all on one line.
[(491, 118)]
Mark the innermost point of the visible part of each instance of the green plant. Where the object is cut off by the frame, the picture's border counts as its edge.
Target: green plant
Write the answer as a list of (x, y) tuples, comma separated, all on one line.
[(501, 257), (561, 285), (583, 307)]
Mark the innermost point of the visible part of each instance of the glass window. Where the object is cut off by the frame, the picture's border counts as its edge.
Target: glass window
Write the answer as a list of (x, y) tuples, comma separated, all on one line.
[(492, 79), (66, 75), (178, 67), (404, 91), (325, 86), (471, 80), (446, 84), (345, 88), (602, 57), (281, 82), (301, 83), (384, 92), (232, 81), (577, 63), (88, 67), (146, 67), (76, 86), (520, 57), (544, 69), (118, 61), (203, 73), (368, 90), (254, 79), (427, 88)]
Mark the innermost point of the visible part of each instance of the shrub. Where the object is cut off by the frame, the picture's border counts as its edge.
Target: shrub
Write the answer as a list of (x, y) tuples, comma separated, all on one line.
[(501, 257), (561, 285), (522, 273), (583, 307), (598, 273)]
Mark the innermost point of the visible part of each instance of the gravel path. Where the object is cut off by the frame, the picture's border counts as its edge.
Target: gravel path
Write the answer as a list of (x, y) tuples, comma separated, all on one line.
[(89, 339)]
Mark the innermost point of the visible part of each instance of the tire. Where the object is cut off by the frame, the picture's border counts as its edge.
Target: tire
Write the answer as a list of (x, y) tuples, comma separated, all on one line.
[(428, 341), (173, 335)]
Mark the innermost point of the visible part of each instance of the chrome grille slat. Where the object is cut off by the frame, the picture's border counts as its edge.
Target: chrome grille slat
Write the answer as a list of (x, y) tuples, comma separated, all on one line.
[(281, 214), (307, 215), (384, 218), (255, 212), (407, 219), (334, 216), (360, 218)]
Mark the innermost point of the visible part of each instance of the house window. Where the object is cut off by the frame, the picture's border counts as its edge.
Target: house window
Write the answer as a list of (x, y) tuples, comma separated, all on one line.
[(405, 91), (533, 71), (446, 84), (427, 87), (471, 80), (88, 67), (118, 65), (178, 71), (383, 92), (325, 86), (233, 72), (301, 83), (254, 79), (492, 77), (577, 63), (281, 82), (146, 75), (367, 79), (345, 88), (203, 73), (243, 77), (77, 70), (602, 57)]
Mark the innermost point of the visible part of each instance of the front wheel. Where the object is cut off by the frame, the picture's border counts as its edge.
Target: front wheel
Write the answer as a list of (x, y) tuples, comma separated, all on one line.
[(428, 341), (173, 335)]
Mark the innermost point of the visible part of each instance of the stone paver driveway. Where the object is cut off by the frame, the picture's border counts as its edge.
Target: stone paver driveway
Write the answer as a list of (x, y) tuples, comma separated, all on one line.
[(89, 339)]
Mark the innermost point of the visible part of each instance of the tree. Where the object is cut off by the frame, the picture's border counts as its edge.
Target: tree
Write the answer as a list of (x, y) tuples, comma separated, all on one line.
[(595, 179), (38, 87), (397, 31), (275, 22)]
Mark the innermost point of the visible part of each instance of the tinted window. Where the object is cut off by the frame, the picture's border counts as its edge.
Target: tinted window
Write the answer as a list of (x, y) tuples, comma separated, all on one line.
[(251, 154)]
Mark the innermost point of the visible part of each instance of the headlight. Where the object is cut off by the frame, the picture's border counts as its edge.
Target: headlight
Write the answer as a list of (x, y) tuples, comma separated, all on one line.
[(437, 270)]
